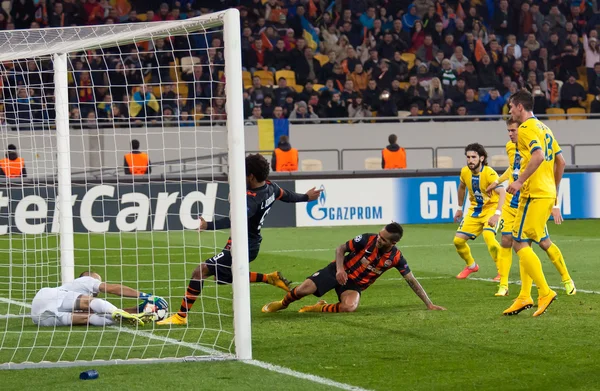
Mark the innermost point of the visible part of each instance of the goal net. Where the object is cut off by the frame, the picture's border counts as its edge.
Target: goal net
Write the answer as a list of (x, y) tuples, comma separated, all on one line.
[(75, 196)]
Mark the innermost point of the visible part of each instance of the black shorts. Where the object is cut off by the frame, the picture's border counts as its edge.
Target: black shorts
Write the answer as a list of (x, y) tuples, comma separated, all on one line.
[(220, 265), (325, 281)]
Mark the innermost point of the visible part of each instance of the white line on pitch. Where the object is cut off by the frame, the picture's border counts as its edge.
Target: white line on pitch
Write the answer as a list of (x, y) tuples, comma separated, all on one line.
[(265, 365)]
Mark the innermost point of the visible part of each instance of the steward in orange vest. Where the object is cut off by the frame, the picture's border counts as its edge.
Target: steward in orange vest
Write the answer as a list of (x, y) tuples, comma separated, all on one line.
[(137, 162), (393, 156), (12, 166), (285, 158)]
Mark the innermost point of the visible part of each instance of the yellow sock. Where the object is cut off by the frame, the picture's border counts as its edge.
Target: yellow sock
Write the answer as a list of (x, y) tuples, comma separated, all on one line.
[(526, 283), (463, 249), (493, 246), (558, 261), (504, 264), (533, 266)]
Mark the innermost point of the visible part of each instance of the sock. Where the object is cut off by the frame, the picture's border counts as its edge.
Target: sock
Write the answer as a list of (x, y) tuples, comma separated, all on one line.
[(493, 246), (504, 263), (526, 283), (258, 277), (191, 294), (533, 267), (331, 307), (290, 297), (463, 249), (558, 261), (100, 320), (101, 306)]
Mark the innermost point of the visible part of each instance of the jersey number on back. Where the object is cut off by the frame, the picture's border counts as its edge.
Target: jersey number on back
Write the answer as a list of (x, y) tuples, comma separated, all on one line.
[(548, 152)]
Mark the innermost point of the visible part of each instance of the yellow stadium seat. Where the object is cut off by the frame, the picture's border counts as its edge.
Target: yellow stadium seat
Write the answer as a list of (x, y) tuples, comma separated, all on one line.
[(556, 110), (409, 58), (142, 17), (500, 161), (404, 85), (373, 163), (322, 58), (289, 76), (583, 83), (317, 87), (576, 110), (247, 78), (157, 91), (266, 77), (588, 102), (311, 165), (444, 162), (582, 71), (182, 90), (298, 88)]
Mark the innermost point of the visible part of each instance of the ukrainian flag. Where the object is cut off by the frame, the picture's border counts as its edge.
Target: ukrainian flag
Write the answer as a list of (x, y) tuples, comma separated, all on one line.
[(269, 131), (310, 34)]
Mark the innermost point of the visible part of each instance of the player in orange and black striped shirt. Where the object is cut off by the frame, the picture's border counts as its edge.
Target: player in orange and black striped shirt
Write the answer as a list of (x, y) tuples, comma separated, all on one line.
[(358, 263)]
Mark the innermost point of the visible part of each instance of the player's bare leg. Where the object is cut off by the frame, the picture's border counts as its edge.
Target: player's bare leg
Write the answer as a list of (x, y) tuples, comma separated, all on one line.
[(348, 303), (274, 278), (308, 287), (200, 273)]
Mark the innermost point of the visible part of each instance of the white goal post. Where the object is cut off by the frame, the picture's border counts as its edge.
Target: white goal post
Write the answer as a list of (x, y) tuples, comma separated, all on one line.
[(75, 190)]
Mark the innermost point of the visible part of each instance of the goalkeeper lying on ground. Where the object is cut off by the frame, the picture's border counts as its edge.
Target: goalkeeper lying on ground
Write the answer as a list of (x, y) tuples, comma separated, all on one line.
[(75, 303)]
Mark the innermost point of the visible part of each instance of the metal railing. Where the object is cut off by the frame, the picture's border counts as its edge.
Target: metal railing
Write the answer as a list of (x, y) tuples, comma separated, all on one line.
[(337, 152)]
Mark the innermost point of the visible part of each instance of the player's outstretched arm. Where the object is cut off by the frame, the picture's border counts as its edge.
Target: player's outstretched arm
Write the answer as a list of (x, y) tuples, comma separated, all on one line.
[(418, 289), (292, 197), (125, 291)]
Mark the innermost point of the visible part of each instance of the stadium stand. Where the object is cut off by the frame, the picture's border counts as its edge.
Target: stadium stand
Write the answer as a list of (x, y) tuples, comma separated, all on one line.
[(392, 54)]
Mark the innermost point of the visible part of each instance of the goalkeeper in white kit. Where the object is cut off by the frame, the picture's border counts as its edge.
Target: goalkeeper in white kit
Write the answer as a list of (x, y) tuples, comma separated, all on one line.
[(75, 303)]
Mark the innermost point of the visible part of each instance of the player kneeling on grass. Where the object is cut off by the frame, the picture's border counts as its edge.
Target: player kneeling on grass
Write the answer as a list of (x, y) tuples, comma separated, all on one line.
[(75, 303), (358, 263)]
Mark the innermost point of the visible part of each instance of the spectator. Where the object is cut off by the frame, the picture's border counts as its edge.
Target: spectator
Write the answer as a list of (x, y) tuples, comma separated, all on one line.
[(393, 156), (551, 89), (22, 13), (457, 93), (387, 107), (309, 68), (416, 94), (279, 58), (503, 21), (359, 77), (540, 104), (12, 166), (595, 89), (592, 57), (572, 94), (410, 18), (303, 111), (357, 108), (282, 91), (493, 102), (256, 114), (371, 95), (436, 92), (458, 59), (144, 104), (473, 107), (285, 158), (336, 107), (268, 107), (428, 50), (136, 162), (278, 113), (257, 92)]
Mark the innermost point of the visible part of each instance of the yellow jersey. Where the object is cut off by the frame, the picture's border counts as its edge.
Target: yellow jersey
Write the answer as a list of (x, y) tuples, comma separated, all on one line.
[(480, 202), (534, 135), (514, 169)]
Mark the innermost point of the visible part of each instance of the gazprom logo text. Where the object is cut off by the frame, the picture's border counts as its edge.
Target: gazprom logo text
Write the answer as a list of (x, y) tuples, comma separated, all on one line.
[(318, 210)]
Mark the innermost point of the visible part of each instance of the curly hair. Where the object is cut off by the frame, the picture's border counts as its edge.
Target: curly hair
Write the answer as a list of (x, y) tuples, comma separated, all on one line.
[(476, 147), (258, 166)]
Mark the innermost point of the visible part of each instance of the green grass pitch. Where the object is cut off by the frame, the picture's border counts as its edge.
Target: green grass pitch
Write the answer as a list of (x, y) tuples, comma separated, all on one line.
[(392, 342)]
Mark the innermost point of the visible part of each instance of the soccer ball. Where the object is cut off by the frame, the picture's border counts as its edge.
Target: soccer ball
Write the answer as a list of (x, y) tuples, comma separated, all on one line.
[(159, 314)]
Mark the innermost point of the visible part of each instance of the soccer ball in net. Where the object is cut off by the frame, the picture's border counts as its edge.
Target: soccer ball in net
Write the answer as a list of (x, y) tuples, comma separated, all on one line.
[(159, 313)]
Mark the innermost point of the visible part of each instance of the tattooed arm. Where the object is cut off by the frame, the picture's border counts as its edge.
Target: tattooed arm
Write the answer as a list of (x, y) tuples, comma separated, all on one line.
[(418, 289)]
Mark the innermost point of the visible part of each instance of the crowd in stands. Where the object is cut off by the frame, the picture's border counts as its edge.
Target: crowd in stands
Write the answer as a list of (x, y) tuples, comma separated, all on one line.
[(314, 60)]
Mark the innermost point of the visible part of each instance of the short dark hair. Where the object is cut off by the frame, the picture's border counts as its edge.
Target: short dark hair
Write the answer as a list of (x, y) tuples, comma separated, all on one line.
[(258, 166), (12, 147), (522, 97), (392, 138), (511, 121), (135, 145), (476, 147), (284, 139), (396, 230)]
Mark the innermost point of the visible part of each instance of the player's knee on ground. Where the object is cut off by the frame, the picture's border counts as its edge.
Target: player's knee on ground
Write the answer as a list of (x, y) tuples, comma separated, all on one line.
[(459, 242), (348, 307), (349, 301)]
